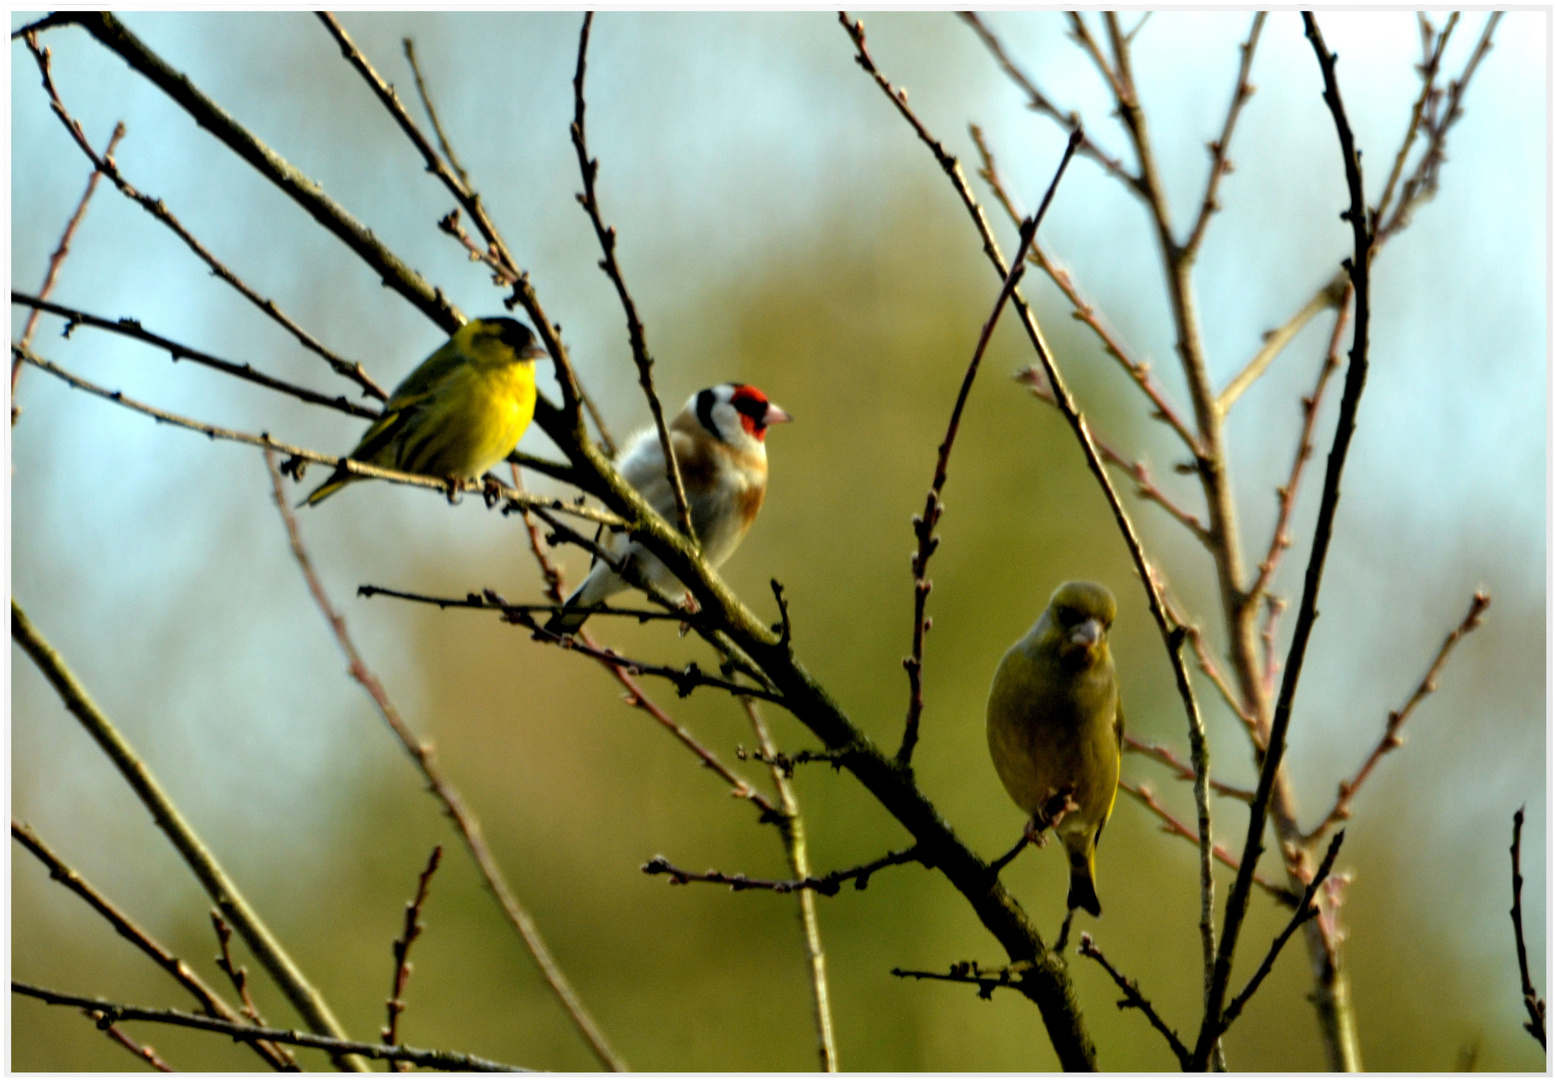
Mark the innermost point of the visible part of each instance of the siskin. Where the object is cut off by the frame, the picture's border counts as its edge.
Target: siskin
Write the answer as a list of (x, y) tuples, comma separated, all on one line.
[(460, 412), (1055, 727)]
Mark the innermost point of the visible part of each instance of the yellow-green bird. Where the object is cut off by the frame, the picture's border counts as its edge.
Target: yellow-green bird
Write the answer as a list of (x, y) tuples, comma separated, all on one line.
[(1055, 727), (460, 412)]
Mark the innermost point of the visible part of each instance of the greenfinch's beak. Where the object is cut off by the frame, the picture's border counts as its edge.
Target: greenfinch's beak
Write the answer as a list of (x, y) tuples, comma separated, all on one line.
[(1087, 634)]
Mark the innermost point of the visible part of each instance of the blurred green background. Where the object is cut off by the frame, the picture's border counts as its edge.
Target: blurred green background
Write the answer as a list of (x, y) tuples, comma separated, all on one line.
[(779, 225)]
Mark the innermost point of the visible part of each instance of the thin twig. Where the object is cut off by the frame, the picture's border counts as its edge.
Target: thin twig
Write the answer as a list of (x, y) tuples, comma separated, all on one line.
[(437, 125), (307, 1001), (1133, 999), (1430, 65), (1039, 102), (1286, 493), (113, 1031), (635, 333), (973, 974), (105, 165), (489, 601), (298, 455), (1083, 310), (1531, 999), (798, 852), (131, 328), (1333, 295), (1359, 267), (239, 977), (62, 249), (113, 1012), (1306, 910), (401, 950), (210, 1001), (464, 819), (1220, 161), (1170, 824), (827, 885), (1391, 740), (925, 523), (1209, 666), (1182, 770)]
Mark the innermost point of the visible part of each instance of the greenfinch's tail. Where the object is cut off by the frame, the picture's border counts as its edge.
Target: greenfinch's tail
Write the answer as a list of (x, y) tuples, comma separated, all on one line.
[(1082, 879)]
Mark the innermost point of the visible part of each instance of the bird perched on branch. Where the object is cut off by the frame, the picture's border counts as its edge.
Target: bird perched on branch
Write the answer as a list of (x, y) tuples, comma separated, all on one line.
[(719, 440), (459, 413), (1055, 728)]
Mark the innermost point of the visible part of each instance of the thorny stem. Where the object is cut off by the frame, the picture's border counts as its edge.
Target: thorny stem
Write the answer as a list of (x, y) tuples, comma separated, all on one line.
[(463, 818), (638, 337), (1391, 740), (344, 1049), (304, 998), (210, 1001)]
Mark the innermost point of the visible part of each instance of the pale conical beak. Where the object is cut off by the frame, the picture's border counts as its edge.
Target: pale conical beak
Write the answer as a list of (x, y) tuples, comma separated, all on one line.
[(1087, 633), (535, 352), (775, 415)]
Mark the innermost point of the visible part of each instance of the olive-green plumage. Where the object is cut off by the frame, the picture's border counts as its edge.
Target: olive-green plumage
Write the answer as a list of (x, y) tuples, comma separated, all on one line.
[(1055, 724), (460, 412)]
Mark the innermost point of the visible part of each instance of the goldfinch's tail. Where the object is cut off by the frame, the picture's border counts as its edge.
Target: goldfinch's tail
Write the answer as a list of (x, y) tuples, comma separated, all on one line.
[(1082, 880), (598, 587)]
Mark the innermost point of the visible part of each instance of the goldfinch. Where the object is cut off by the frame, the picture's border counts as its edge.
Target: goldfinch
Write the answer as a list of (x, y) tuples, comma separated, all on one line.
[(719, 440), (1055, 727), (460, 412)]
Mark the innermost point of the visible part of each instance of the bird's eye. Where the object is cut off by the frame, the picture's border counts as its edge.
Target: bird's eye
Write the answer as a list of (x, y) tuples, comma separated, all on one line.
[(1068, 616)]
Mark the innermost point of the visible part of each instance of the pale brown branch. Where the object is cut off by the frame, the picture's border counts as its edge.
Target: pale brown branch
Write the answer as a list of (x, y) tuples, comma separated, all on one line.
[(1430, 65), (463, 818), (401, 950), (1170, 824), (1334, 294), (1391, 740), (1220, 161), (437, 125), (239, 977), (1182, 770), (145, 1053)]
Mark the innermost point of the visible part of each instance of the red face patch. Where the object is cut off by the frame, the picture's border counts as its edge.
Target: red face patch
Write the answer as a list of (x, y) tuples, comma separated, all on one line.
[(751, 404)]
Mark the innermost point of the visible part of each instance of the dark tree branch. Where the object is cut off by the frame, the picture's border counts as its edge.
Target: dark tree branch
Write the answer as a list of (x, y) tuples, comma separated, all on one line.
[(1358, 266), (1133, 999), (1306, 911), (1391, 740), (115, 1013), (1531, 999), (635, 333), (490, 601), (827, 885), (131, 328), (969, 972)]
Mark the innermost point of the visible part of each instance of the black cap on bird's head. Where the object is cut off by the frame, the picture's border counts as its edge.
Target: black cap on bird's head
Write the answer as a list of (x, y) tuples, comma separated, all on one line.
[(515, 335), (1082, 613)]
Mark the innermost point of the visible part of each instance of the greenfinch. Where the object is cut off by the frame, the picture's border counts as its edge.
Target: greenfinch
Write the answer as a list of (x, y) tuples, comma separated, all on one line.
[(460, 412), (1055, 727)]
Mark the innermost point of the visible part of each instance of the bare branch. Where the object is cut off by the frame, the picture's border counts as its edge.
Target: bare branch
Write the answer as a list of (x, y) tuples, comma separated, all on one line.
[(1391, 740), (401, 949), (971, 973), (106, 166), (342, 1048), (1430, 65), (209, 999), (239, 977), (1333, 295), (1531, 999), (1133, 999), (1157, 752), (1359, 267), (437, 125), (925, 523), (145, 1053), (1170, 824), (1220, 161), (464, 819), (829, 885), (589, 200), (307, 1001), (509, 497)]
